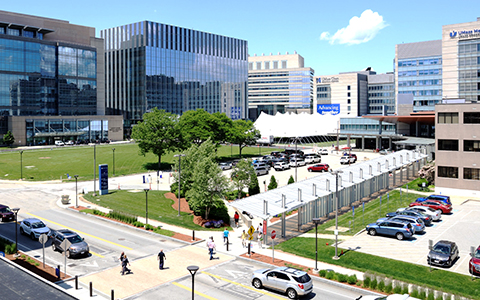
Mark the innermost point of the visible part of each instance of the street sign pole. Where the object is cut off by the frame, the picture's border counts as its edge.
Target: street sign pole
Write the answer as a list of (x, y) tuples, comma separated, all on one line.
[(43, 238), (273, 235)]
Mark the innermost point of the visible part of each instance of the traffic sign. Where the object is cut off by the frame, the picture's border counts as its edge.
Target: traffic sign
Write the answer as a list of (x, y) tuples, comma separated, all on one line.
[(43, 238), (273, 234), (251, 230), (250, 237)]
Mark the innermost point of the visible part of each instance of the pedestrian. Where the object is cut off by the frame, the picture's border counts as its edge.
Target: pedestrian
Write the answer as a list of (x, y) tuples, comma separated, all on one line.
[(211, 248), (225, 235), (260, 227), (236, 217), (161, 257), (259, 240), (125, 262), (244, 238), (121, 259)]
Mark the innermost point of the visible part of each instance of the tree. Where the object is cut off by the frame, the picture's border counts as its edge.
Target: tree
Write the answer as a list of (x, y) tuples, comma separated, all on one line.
[(273, 183), (157, 133), (291, 180), (253, 187), (198, 125), (8, 138), (241, 175), (243, 133)]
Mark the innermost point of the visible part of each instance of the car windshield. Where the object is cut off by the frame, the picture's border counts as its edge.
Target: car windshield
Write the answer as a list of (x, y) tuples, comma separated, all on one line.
[(75, 239), (477, 254), (4, 209), (302, 279), (38, 225), (441, 249)]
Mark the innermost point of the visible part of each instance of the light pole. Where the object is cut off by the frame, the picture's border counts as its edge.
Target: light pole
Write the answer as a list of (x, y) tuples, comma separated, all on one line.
[(94, 170), (316, 221), (193, 270), (146, 205), (21, 164), (179, 174), (113, 149), (336, 211), (15, 210), (76, 191)]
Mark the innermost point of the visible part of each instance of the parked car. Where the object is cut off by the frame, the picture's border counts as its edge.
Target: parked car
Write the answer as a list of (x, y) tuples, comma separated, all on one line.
[(391, 297), (351, 155), (324, 152), (409, 212), (59, 143), (474, 264), (6, 214), (319, 168), (261, 164), (291, 151), (346, 159), (225, 166), (288, 280), (261, 170), (443, 253), (275, 153), (444, 199), (280, 166), (417, 223), (393, 228), (70, 143), (297, 162), (435, 214), (77, 247), (435, 205), (384, 152), (312, 158), (33, 227)]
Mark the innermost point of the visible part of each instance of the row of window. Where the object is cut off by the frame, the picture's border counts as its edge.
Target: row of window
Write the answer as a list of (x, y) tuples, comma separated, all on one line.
[(387, 87), (420, 72), (452, 145), (420, 62), (452, 118), (468, 48), (266, 64), (423, 93), (468, 61), (420, 82), (452, 172), (21, 32), (381, 94)]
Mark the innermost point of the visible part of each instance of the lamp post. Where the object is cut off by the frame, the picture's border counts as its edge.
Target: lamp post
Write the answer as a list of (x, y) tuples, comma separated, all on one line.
[(113, 149), (316, 221), (146, 205), (336, 211), (94, 170), (76, 191), (15, 210), (179, 174), (193, 270), (21, 164)]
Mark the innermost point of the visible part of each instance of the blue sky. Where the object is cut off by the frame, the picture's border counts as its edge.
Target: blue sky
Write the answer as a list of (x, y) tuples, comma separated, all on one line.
[(332, 36)]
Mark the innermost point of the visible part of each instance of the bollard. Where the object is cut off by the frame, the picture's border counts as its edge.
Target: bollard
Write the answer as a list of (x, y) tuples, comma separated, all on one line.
[(227, 243), (76, 282), (91, 289), (57, 271), (113, 295), (249, 245), (193, 235)]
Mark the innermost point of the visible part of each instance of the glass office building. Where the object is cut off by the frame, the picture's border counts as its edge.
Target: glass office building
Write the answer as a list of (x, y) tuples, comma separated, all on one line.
[(177, 69)]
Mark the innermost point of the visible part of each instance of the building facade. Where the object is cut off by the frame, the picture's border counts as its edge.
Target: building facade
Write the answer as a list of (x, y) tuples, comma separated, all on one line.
[(381, 94), (177, 69), (279, 83), (457, 148)]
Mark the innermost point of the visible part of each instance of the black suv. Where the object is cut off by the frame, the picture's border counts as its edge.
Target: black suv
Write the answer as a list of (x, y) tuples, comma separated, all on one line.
[(77, 246)]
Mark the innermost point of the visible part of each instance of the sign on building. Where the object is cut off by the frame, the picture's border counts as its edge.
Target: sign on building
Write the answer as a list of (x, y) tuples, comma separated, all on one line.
[(333, 109), (103, 179)]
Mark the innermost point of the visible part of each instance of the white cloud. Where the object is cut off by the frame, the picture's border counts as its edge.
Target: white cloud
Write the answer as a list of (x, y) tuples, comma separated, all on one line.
[(359, 30)]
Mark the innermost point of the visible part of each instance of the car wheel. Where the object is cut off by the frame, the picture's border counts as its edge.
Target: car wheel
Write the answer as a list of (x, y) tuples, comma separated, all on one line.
[(292, 294), (68, 253), (399, 236), (309, 170), (54, 248), (22, 231), (32, 236), (257, 283), (372, 232)]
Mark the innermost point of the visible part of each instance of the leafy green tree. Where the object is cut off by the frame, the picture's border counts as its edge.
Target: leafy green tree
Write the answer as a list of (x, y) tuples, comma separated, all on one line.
[(157, 133), (253, 187), (291, 180), (198, 125), (243, 133), (241, 175), (273, 183), (8, 138)]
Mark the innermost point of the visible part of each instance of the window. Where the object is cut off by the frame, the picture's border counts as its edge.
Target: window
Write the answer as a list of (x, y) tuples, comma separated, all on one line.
[(348, 101), (471, 117), (471, 146), (284, 64), (448, 145), (282, 277), (348, 94), (348, 87), (448, 172), (267, 65), (259, 65), (250, 66), (471, 173), (448, 118), (349, 108), (275, 64)]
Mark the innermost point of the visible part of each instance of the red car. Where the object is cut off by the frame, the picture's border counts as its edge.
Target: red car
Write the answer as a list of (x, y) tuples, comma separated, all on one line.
[(474, 264), (5, 213), (435, 204), (318, 168)]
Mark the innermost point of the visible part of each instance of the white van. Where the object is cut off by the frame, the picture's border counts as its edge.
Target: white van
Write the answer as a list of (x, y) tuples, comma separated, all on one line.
[(59, 143)]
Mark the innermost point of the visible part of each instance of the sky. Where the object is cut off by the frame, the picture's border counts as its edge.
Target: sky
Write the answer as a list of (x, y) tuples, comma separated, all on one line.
[(332, 36)]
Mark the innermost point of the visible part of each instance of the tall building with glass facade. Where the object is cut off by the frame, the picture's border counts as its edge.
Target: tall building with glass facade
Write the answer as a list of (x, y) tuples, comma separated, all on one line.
[(381, 94), (279, 83), (177, 69)]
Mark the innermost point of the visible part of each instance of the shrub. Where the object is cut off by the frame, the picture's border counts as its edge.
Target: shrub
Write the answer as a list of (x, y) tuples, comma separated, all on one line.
[(397, 289), (291, 180), (342, 277), (138, 224), (10, 248), (322, 273), (37, 264), (388, 288), (405, 288), (366, 282), (359, 283), (352, 279), (430, 295), (149, 227), (440, 297), (422, 294), (273, 183), (373, 284), (121, 216), (414, 293), (381, 286), (330, 275)]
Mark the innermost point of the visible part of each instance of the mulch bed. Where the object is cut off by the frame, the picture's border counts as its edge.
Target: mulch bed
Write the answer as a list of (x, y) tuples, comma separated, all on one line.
[(48, 272)]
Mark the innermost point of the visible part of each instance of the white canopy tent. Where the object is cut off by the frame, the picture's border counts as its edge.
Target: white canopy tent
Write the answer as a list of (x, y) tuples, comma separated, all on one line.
[(296, 125)]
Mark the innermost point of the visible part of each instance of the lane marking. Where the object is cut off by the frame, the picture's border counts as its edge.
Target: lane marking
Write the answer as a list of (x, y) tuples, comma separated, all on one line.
[(83, 233), (196, 292), (245, 286)]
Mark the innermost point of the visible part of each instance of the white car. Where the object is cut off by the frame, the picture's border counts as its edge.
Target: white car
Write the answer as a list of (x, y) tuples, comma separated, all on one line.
[(436, 214), (33, 227), (59, 143), (345, 160), (391, 297), (324, 152), (280, 166), (70, 142), (312, 159), (297, 162)]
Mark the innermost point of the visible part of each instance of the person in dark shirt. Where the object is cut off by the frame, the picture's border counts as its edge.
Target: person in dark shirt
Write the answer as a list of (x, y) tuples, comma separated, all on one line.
[(161, 258)]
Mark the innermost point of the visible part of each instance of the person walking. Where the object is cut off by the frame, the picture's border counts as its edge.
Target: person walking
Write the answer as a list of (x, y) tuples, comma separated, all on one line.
[(211, 248), (125, 262), (225, 236), (236, 217), (244, 239), (259, 239), (161, 257), (121, 259)]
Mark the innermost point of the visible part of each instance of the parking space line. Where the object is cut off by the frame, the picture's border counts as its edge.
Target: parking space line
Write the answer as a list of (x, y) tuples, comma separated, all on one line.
[(244, 286), (196, 292), (83, 233)]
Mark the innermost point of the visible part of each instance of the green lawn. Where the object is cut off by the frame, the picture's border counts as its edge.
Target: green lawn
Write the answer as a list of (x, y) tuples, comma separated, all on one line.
[(56, 162), (159, 207), (420, 275), (373, 211)]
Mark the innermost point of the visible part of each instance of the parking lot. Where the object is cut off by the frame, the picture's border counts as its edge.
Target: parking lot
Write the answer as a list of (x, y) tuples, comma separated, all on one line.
[(460, 227)]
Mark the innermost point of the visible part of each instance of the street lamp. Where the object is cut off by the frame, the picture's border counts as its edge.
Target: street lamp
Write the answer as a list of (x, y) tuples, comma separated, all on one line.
[(76, 191), (179, 173), (15, 210), (316, 221), (94, 170), (21, 164), (336, 211), (193, 270), (113, 149), (146, 205)]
